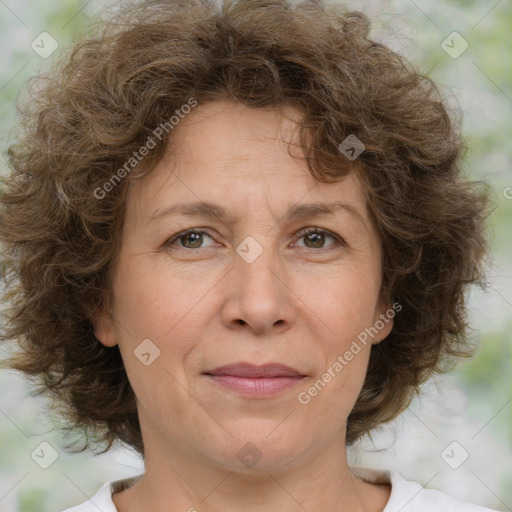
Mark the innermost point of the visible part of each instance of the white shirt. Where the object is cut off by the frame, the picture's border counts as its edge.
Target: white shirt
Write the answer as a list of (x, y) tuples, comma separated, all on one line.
[(405, 496)]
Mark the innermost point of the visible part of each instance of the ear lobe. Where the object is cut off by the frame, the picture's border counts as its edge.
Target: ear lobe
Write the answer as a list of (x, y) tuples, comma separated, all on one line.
[(383, 321), (386, 324), (104, 330)]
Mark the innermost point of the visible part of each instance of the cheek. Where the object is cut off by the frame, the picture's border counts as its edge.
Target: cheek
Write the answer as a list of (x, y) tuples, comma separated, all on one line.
[(332, 394), (342, 307), (335, 391), (343, 304), (174, 312), (158, 304)]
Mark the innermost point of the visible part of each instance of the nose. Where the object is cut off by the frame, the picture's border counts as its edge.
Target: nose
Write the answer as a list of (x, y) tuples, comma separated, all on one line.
[(258, 296)]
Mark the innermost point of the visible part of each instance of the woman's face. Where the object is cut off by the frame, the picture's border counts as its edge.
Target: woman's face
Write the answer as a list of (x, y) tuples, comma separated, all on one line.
[(246, 286)]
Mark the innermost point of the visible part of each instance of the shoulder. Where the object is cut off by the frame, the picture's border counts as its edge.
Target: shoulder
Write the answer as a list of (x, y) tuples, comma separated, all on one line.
[(412, 497), (102, 500)]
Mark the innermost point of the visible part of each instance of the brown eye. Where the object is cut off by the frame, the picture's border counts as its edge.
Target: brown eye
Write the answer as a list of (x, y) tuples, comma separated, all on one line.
[(189, 239), (193, 240), (315, 238)]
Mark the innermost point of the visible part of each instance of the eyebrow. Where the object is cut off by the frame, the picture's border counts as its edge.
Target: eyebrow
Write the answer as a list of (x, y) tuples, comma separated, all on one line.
[(209, 210)]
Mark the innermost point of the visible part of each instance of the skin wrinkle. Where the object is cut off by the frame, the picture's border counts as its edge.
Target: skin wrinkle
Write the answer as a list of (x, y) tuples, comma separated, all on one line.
[(229, 421), (95, 109)]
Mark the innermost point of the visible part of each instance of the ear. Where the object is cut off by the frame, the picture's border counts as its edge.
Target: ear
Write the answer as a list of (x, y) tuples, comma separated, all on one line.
[(104, 329), (383, 319)]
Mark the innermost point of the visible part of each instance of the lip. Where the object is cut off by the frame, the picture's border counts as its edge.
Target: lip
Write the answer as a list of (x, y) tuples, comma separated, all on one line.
[(256, 381), (253, 371)]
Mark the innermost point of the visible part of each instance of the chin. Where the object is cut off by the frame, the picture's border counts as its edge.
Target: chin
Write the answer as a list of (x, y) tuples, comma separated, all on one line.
[(259, 449)]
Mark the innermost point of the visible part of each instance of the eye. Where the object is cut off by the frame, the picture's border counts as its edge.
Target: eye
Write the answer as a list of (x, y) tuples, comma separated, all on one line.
[(190, 238), (315, 238), (193, 238)]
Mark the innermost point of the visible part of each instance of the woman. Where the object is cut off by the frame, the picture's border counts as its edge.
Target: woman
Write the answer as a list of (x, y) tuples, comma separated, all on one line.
[(237, 239)]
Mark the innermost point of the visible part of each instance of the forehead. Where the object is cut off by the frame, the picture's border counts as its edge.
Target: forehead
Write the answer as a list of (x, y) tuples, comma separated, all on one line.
[(229, 154), (230, 136)]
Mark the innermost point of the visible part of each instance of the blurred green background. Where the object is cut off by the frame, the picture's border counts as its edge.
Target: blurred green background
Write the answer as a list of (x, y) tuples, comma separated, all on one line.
[(472, 406)]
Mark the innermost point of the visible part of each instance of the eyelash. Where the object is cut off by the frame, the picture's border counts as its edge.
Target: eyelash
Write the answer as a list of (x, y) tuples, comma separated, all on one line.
[(302, 233)]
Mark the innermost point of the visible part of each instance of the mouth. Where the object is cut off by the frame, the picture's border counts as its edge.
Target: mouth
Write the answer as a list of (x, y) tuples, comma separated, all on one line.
[(256, 381)]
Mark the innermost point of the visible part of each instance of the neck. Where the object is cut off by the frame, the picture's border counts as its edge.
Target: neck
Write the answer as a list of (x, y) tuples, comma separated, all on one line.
[(180, 477)]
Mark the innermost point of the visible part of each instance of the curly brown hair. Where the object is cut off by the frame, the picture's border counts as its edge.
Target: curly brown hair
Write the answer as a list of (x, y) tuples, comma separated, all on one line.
[(99, 105)]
